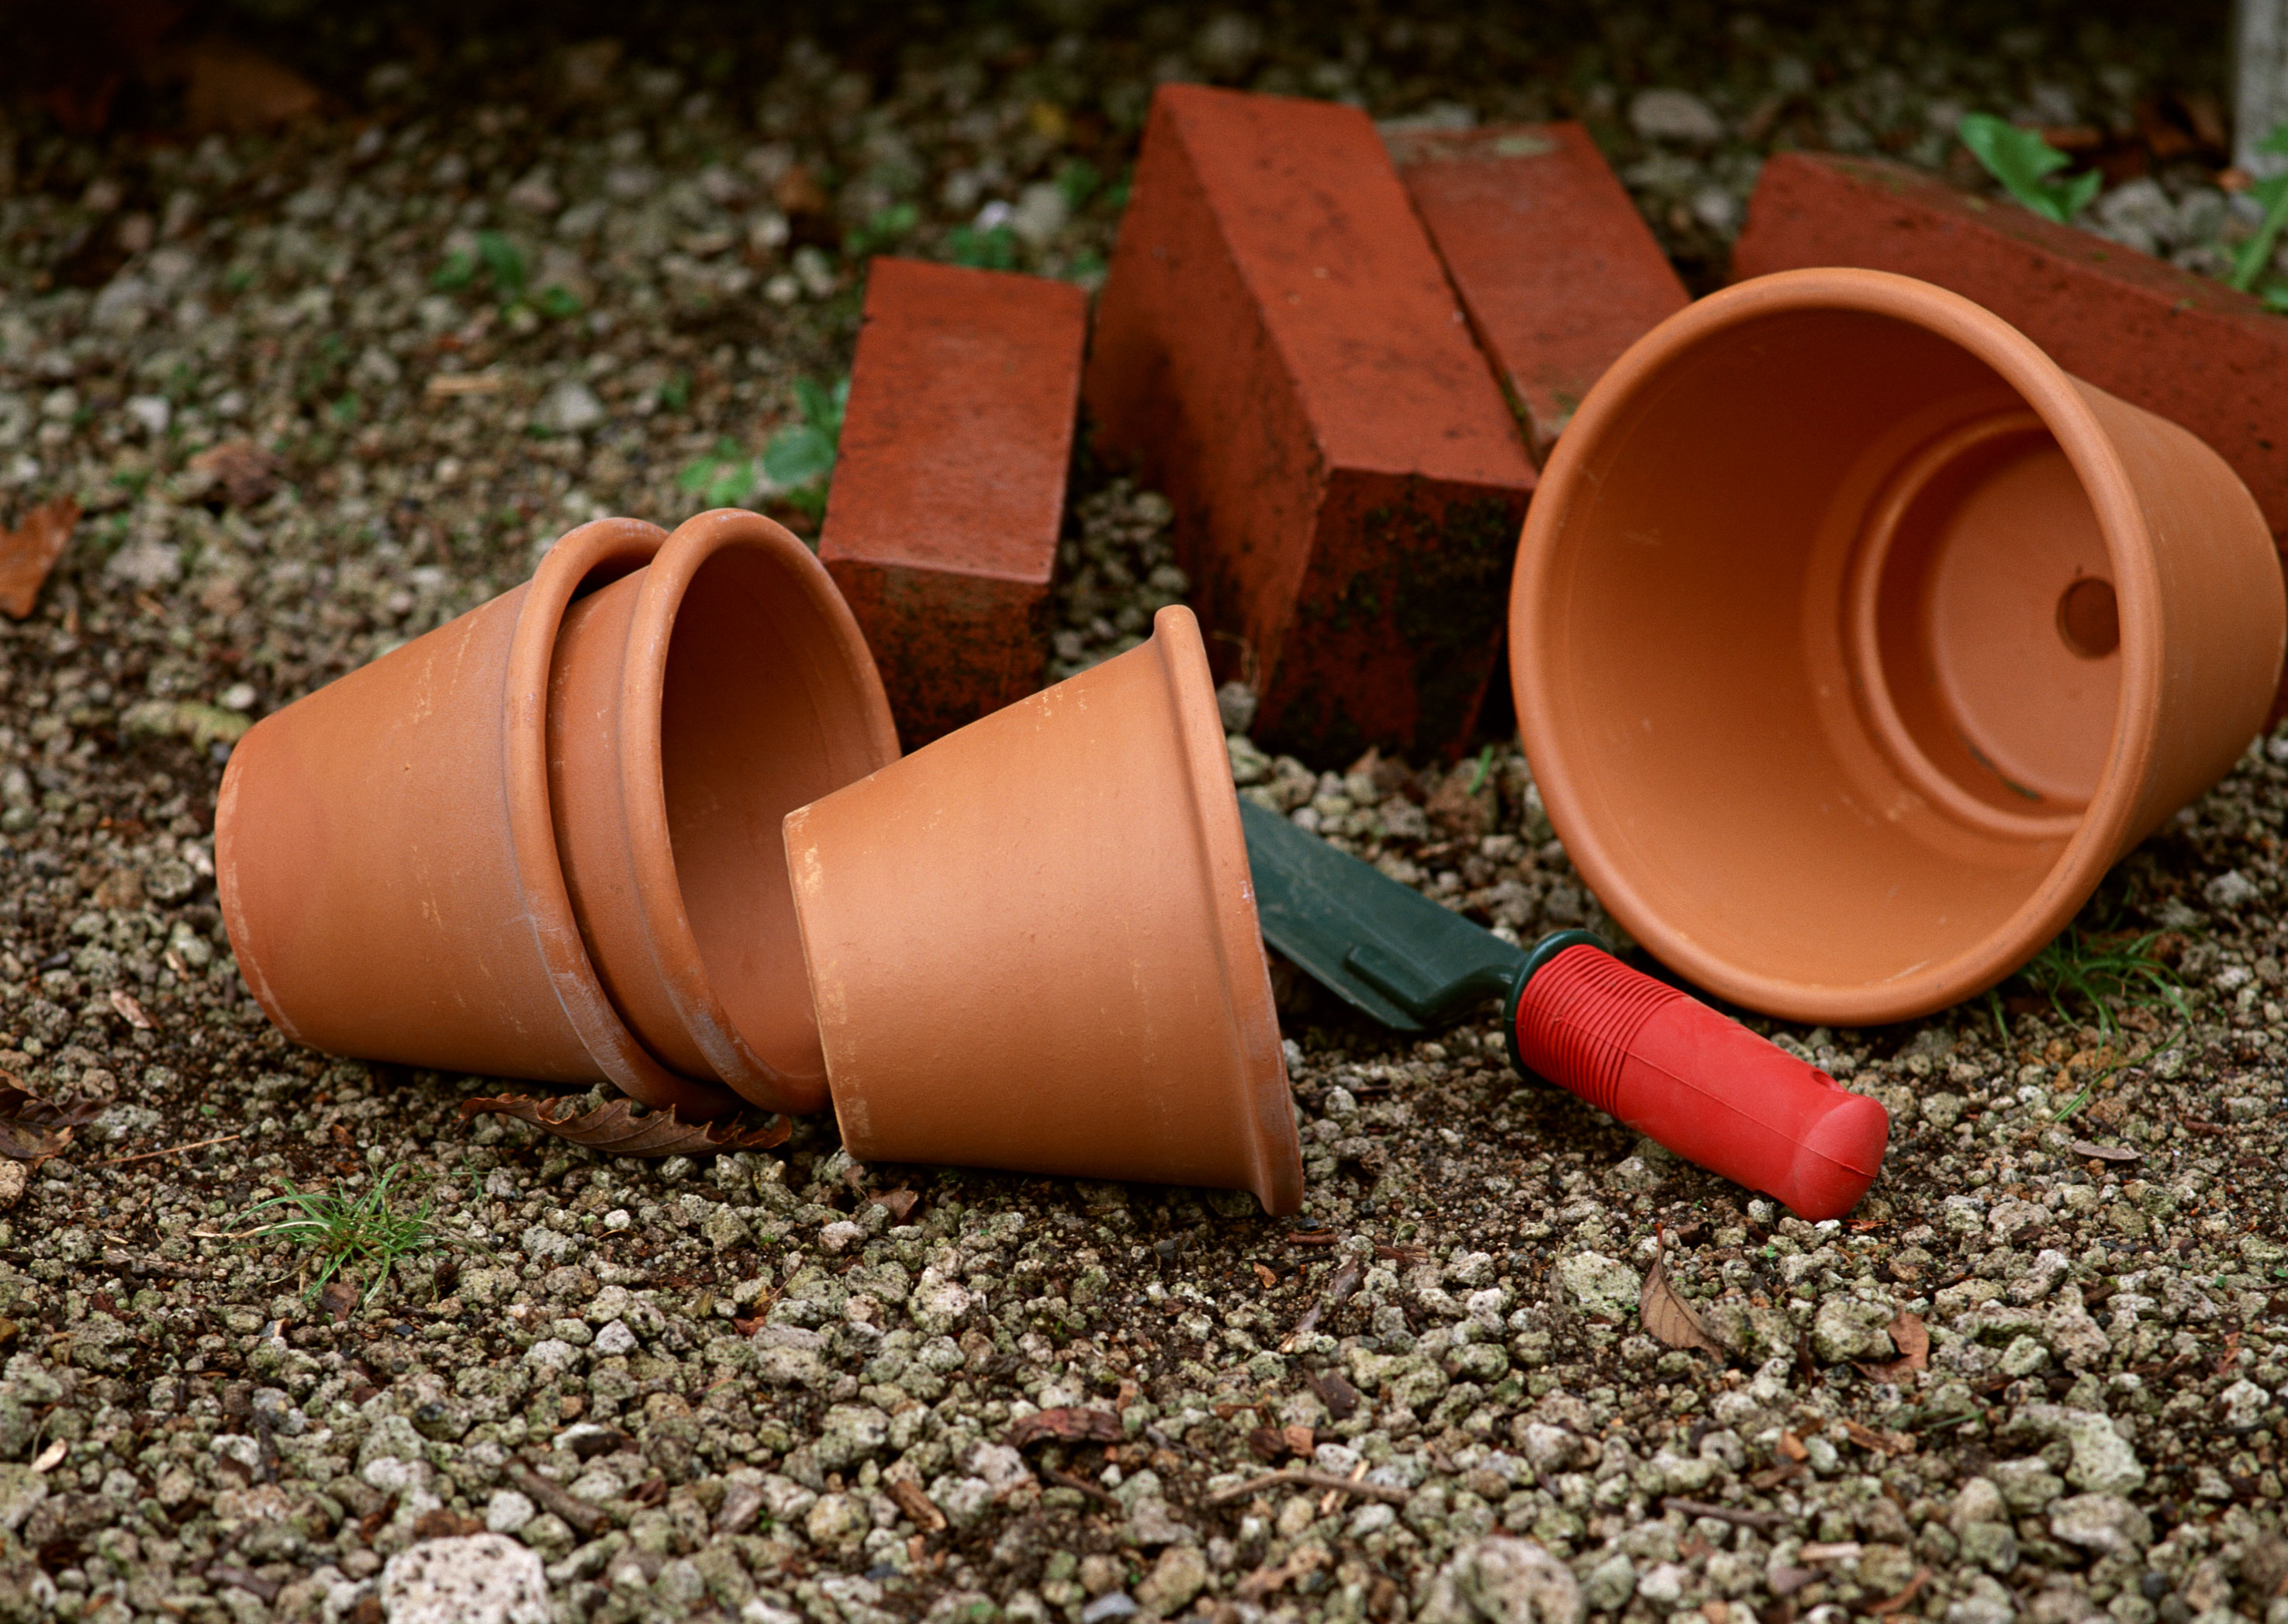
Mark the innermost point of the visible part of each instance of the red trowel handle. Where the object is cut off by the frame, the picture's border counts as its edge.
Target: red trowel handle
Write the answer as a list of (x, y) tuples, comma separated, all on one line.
[(1692, 1080)]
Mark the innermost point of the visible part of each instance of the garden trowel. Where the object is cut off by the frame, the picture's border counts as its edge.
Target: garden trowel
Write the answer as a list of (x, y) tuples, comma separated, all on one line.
[(1663, 1062)]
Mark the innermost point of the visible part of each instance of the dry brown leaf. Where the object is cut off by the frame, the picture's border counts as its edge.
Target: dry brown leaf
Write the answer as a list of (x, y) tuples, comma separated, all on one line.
[(1880, 1443), (131, 1011), (614, 1129), (1911, 1337), (1068, 1424), (2104, 1152), (898, 1203), (28, 553), (917, 1504), (1669, 1318), (242, 90), (246, 472), (33, 1129)]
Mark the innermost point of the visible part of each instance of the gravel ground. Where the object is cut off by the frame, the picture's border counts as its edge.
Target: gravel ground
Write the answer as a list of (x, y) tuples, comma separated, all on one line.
[(311, 412)]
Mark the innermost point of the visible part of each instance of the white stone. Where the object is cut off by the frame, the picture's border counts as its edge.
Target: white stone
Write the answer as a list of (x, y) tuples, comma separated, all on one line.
[(481, 1578), (507, 1511), (614, 1338), (1600, 1286), (1675, 115), (571, 407)]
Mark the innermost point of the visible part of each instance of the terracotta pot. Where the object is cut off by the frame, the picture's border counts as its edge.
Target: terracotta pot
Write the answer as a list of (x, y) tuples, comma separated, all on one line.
[(386, 866), (1033, 944), (694, 704), (1852, 641)]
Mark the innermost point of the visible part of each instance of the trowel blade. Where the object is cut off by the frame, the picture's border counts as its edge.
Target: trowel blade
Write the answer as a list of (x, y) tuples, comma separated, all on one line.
[(1386, 949)]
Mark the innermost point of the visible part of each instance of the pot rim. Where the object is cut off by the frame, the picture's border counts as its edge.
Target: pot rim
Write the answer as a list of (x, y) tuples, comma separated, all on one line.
[(1273, 1158), (666, 924), (2108, 826), (617, 546)]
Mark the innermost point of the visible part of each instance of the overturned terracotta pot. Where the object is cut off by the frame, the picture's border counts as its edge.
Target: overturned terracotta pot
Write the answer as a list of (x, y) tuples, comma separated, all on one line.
[(1852, 641), (1032, 944), (424, 862)]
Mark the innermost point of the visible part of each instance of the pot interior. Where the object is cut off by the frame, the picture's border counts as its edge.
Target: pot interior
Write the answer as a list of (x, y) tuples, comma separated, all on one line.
[(762, 713), (1832, 649)]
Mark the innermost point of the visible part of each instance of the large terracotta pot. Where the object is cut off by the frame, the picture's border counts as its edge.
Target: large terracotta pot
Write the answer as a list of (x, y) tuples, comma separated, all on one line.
[(396, 852), (1852, 641), (1033, 944)]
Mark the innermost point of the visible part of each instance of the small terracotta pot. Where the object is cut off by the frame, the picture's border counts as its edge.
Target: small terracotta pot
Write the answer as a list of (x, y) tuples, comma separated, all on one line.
[(1852, 641), (386, 863), (542, 841), (694, 704), (1033, 944)]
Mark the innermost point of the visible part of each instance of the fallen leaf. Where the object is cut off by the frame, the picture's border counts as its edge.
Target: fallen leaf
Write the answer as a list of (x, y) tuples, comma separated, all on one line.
[(442, 1524), (246, 472), (1669, 1318), (131, 1011), (1792, 1446), (1911, 1337), (28, 553), (338, 1298), (1340, 1398), (616, 1130), (917, 1504), (797, 192), (242, 90), (1266, 1444), (1268, 1279), (465, 384), (2104, 1152), (898, 1203), (1301, 1441), (1067, 1424), (1880, 1443), (52, 1456), (33, 1129)]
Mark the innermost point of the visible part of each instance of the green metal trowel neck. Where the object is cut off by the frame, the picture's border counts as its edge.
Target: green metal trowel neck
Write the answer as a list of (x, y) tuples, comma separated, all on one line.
[(1548, 948)]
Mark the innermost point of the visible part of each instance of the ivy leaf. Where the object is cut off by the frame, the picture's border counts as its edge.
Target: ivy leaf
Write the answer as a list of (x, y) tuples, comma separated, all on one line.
[(797, 455), (2022, 160)]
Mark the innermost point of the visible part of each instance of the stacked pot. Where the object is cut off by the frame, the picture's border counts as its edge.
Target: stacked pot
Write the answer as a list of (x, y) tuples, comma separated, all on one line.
[(553, 839)]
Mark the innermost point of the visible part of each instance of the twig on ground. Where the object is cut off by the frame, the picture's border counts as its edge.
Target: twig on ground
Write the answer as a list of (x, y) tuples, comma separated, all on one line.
[(172, 1150), (1296, 1477), (1727, 1513)]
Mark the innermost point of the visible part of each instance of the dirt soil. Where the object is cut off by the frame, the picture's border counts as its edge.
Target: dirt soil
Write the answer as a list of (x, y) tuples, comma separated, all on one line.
[(319, 389)]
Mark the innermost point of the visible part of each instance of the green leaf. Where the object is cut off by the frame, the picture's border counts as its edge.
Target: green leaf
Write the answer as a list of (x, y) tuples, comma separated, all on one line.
[(458, 271), (2277, 141), (506, 262), (558, 301), (2250, 258), (675, 394), (983, 250), (2275, 297), (821, 408), (2020, 159), (1079, 181), (798, 455)]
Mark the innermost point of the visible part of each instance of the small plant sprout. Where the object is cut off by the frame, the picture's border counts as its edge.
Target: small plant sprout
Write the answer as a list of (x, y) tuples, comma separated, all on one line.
[(351, 1234), (2254, 257), (2023, 161), (722, 477), (800, 458), (2101, 971)]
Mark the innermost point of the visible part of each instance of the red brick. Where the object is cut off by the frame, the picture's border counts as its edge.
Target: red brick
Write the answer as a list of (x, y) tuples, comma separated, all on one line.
[(1556, 267), (2180, 344), (1278, 350), (949, 485)]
